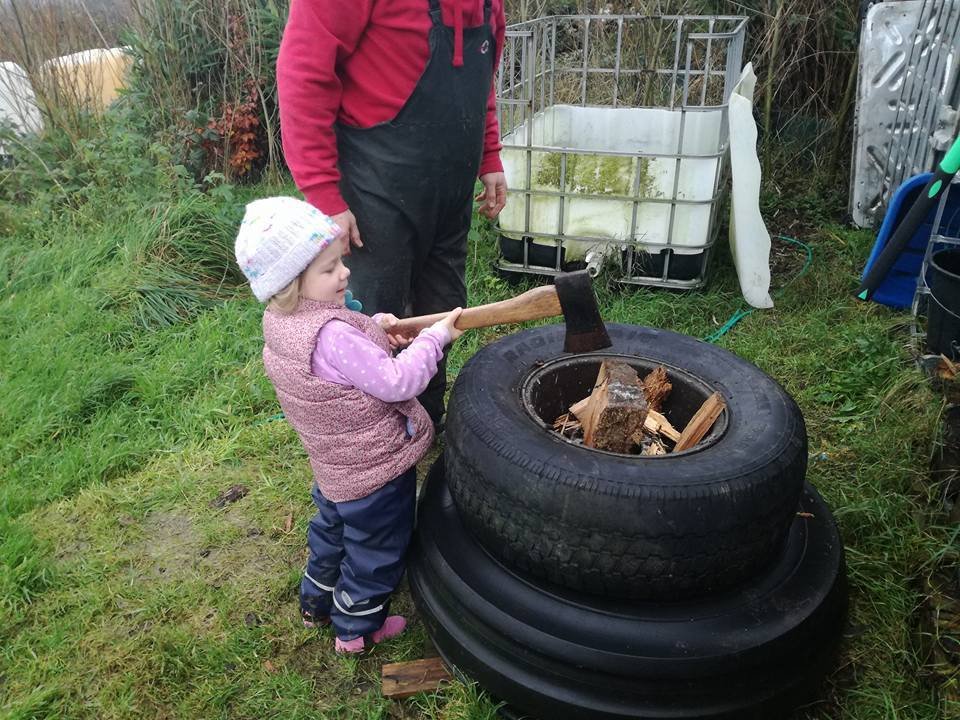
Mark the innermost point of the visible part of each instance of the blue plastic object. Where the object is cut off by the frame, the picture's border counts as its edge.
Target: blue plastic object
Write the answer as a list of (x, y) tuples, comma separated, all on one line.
[(898, 288)]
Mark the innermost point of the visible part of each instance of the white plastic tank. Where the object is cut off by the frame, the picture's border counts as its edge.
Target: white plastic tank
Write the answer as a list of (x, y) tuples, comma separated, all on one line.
[(18, 104), (91, 77), (613, 155)]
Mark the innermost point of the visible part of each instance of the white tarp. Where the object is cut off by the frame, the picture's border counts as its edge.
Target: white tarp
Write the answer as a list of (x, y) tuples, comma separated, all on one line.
[(18, 104), (749, 239), (90, 77)]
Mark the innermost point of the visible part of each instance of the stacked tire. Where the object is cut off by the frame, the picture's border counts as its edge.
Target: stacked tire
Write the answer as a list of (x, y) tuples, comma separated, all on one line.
[(575, 583)]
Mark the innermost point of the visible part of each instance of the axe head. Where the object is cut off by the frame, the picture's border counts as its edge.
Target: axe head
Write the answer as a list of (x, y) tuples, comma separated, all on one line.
[(585, 329)]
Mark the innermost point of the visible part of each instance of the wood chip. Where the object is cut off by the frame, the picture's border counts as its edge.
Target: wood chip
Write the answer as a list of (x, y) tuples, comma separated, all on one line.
[(232, 494), (566, 424), (652, 447), (288, 523), (946, 369), (701, 422), (400, 680), (657, 386)]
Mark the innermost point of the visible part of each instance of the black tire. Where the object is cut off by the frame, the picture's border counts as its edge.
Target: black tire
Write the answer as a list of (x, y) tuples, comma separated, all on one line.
[(663, 528), (754, 652)]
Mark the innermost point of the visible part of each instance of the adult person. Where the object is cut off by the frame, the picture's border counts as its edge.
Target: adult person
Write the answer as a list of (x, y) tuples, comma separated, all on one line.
[(388, 117)]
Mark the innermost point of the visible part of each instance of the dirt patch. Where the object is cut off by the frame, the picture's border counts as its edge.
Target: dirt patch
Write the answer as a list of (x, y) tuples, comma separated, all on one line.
[(170, 546), (173, 548), (244, 562)]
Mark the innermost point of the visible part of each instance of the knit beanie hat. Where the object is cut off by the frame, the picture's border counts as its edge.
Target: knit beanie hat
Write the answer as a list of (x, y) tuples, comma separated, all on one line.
[(278, 238)]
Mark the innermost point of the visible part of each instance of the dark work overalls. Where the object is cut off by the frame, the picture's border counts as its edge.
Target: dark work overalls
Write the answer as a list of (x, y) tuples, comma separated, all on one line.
[(410, 184)]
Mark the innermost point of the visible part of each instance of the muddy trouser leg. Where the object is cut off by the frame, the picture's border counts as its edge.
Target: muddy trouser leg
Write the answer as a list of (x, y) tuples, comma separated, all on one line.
[(325, 541), (376, 533), (439, 284)]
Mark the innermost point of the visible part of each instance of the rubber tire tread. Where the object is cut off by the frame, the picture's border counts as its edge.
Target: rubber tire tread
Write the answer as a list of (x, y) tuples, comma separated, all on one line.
[(633, 527), (753, 653)]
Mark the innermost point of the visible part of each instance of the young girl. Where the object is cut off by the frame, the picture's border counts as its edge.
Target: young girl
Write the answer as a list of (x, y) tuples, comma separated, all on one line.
[(354, 407)]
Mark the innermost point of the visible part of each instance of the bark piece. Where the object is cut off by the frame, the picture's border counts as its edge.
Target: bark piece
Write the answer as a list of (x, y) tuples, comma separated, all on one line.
[(657, 386), (400, 680), (701, 422), (231, 494)]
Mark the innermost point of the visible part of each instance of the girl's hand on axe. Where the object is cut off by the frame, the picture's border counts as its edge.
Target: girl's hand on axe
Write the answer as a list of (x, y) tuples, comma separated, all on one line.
[(450, 323), (388, 322)]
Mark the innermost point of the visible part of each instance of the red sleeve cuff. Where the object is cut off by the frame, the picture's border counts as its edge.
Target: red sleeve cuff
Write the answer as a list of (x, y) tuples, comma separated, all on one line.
[(326, 198), (490, 163)]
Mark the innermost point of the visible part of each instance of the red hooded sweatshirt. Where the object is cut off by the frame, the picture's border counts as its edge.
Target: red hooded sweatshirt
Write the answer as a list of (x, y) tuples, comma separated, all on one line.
[(357, 62)]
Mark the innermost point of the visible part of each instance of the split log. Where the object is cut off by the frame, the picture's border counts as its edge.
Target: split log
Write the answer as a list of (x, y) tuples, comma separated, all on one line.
[(400, 680), (701, 422), (583, 410), (656, 386), (657, 424)]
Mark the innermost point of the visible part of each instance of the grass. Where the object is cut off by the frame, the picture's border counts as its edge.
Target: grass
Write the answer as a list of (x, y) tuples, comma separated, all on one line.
[(123, 593)]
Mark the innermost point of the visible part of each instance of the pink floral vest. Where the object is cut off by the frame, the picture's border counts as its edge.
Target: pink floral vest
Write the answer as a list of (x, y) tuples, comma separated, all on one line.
[(356, 442)]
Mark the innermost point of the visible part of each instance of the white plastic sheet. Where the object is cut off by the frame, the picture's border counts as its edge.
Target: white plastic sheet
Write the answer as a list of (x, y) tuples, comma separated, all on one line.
[(749, 239), (18, 105), (90, 77)]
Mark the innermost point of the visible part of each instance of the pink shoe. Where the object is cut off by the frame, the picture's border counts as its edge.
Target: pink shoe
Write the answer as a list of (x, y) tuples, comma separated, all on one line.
[(392, 626)]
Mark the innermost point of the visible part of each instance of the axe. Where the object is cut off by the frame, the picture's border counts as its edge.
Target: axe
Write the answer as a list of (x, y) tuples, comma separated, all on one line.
[(571, 295)]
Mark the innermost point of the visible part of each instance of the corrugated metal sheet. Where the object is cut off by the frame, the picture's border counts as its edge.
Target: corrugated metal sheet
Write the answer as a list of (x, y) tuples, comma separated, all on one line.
[(907, 98)]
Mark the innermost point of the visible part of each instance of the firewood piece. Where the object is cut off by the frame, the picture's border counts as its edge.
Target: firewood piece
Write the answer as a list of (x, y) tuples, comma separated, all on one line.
[(583, 410), (400, 680), (590, 416), (657, 424), (619, 411), (657, 386), (701, 422), (231, 494)]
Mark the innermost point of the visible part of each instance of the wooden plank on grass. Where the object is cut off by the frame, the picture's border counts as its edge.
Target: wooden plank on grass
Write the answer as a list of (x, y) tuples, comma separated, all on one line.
[(400, 680)]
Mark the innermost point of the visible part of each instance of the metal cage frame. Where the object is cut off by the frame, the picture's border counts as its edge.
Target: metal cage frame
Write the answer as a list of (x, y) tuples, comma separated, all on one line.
[(686, 63)]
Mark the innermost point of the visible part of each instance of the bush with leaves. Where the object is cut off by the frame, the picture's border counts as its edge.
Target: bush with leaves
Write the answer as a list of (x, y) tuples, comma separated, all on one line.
[(204, 82)]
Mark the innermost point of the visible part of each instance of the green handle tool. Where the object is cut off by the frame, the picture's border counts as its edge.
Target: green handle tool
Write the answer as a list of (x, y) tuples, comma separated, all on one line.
[(945, 171)]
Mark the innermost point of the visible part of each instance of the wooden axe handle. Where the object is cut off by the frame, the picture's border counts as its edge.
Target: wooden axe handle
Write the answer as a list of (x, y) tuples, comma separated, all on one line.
[(541, 302)]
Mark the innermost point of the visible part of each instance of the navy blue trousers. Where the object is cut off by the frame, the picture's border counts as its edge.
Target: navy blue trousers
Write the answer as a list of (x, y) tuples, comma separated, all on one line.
[(357, 552)]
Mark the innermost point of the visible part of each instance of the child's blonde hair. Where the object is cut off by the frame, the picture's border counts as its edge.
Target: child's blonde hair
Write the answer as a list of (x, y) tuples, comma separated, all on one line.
[(286, 301)]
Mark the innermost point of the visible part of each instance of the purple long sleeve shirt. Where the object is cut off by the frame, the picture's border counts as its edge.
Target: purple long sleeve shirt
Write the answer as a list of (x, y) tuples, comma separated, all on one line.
[(346, 356)]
